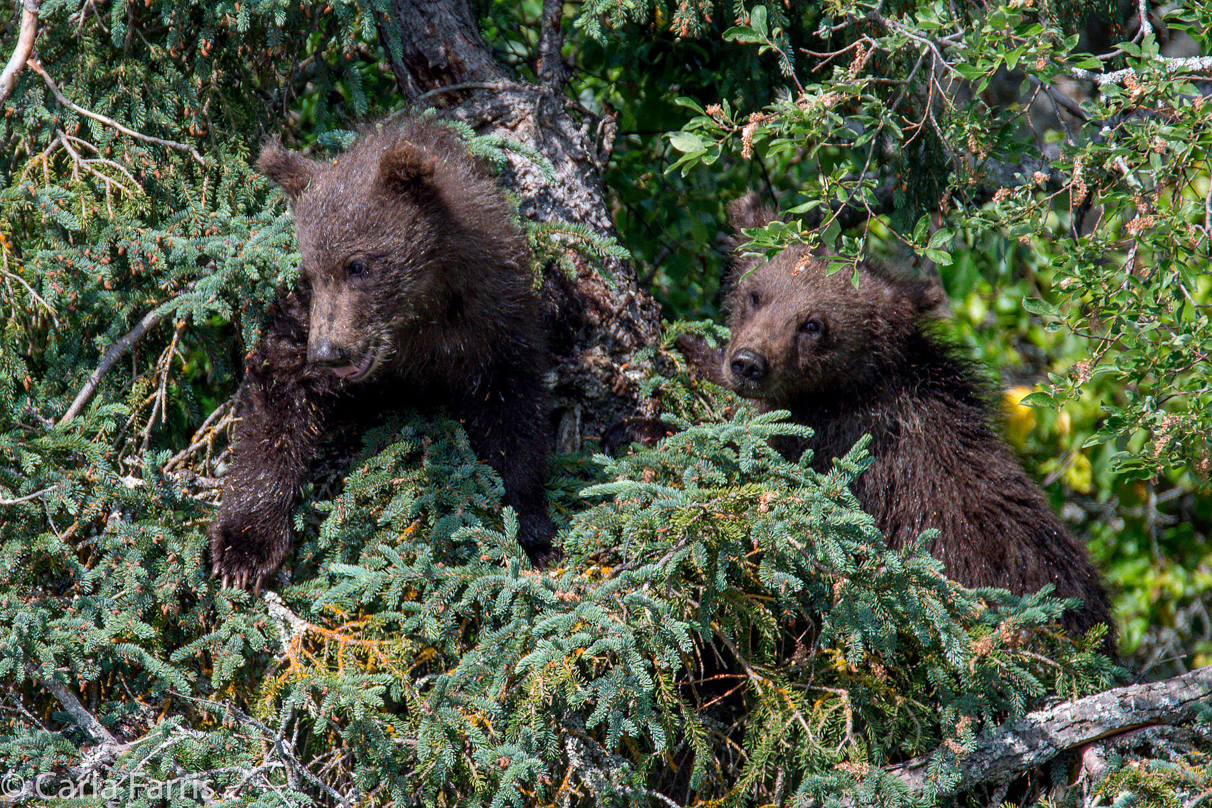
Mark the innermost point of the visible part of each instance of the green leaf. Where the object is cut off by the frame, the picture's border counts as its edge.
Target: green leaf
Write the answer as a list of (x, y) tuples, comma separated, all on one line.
[(688, 142), (1039, 399), (938, 256), (757, 19), (1041, 307), (743, 33), (690, 103), (1013, 56)]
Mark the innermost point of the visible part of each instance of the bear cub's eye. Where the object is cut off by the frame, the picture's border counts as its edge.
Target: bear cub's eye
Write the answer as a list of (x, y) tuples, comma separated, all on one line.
[(355, 269), (755, 299), (811, 327)]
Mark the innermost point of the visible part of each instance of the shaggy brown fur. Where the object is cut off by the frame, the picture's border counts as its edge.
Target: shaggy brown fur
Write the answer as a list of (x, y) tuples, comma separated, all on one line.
[(850, 361), (414, 290)]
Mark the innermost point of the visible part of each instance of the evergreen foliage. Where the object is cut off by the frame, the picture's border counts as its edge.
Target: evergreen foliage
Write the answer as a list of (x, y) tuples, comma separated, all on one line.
[(726, 626), (418, 659)]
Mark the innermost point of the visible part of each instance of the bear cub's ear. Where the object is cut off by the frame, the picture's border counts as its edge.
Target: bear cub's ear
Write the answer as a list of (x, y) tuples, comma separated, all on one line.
[(289, 170), (914, 296), (749, 211), (744, 213), (926, 294), (407, 169)]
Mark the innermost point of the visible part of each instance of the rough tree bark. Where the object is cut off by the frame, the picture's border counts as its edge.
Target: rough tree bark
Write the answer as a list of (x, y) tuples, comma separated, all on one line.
[(1006, 752), (440, 60)]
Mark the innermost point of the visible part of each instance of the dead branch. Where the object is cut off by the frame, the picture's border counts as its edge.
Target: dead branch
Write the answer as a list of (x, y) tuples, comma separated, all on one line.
[(1171, 65), (72, 706), (111, 355), (27, 497), (205, 435), (1036, 738), (62, 99), (25, 46)]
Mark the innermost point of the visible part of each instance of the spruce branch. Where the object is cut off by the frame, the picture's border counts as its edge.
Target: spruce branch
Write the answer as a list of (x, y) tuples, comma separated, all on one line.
[(25, 46), (1038, 737), (284, 749), (62, 99), (10, 276), (78, 161)]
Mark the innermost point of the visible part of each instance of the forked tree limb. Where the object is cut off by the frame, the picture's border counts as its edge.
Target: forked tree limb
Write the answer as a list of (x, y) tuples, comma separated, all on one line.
[(25, 46), (1033, 740)]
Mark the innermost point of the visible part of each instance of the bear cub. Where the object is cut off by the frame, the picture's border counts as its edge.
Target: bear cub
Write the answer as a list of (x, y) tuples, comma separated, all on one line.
[(848, 361), (414, 290)]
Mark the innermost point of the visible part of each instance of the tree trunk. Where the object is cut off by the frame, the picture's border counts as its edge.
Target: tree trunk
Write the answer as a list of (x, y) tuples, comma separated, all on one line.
[(440, 60)]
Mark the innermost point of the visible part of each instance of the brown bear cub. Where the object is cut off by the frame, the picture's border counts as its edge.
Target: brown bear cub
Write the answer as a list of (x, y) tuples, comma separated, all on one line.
[(414, 291), (849, 361)]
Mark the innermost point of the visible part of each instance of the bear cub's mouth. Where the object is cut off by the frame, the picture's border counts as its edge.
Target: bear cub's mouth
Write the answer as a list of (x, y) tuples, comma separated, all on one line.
[(748, 389), (359, 370)]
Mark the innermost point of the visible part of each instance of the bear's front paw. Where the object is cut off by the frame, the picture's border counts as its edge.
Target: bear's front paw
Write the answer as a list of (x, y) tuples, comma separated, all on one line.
[(245, 551), (704, 360)]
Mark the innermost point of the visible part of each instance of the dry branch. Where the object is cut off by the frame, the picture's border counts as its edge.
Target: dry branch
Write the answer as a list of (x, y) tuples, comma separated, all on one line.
[(1004, 753), (1171, 66), (27, 497), (62, 99), (111, 355), (25, 46), (72, 706)]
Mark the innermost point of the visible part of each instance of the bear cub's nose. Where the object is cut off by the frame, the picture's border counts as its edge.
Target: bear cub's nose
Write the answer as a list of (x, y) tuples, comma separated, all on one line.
[(327, 352), (749, 365)]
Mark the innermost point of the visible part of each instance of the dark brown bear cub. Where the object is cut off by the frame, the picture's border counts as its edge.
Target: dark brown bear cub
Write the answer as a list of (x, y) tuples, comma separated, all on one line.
[(414, 291), (850, 361)]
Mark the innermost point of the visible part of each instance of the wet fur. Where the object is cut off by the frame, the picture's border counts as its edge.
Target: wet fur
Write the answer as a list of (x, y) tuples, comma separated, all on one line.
[(877, 366), (441, 315)]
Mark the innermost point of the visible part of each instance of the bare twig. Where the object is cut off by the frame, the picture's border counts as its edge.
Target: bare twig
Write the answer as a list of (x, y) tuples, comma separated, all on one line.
[(285, 749), (25, 46), (33, 294), (205, 434), (1144, 27), (62, 99), (913, 35), (80, 16), (1060, 99), (1208, 209), (87, 164), (159, 398), (499, 86), (27, 497)]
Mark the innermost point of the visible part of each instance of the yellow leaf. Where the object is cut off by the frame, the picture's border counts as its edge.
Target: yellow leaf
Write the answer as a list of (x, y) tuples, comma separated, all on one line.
[(1020, 419)]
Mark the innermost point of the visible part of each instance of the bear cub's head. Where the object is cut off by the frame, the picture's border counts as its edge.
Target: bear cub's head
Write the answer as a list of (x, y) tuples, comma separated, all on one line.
[(402, 232), (800, 331)]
